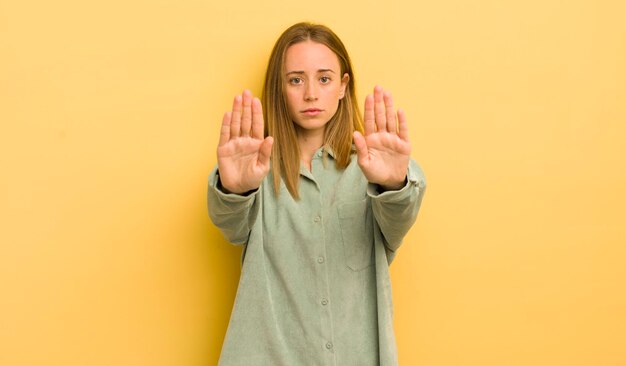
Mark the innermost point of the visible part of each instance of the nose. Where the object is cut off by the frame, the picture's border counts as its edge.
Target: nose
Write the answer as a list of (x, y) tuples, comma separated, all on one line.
[(310, 93)]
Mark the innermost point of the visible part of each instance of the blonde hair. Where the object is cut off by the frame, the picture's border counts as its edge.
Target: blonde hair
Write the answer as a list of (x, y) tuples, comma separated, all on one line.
[(278, 123)]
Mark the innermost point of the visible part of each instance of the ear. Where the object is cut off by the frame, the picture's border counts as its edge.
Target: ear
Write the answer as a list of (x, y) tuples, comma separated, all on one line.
[(344, 85)]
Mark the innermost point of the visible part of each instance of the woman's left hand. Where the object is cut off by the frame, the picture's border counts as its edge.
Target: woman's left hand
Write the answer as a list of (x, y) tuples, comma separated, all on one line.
[(383, 153)]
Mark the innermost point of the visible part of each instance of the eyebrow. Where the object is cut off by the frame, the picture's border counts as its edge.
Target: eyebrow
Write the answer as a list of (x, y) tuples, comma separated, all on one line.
[(318, 71)]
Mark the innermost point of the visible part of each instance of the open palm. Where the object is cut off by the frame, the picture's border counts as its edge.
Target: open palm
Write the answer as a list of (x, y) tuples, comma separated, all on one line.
[(384, 152), (243, 155)]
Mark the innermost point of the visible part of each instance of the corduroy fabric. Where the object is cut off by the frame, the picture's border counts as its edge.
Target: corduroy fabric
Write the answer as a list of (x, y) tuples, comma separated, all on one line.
[(314, 286)]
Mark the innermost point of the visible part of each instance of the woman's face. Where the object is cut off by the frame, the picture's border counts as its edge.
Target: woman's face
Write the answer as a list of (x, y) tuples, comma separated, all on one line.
[(314, 85)]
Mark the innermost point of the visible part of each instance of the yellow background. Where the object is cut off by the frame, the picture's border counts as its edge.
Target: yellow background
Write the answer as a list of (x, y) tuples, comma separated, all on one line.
[(109, 118)]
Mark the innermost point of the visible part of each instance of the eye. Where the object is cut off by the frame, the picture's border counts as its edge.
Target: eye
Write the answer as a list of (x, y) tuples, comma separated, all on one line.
[(295, 80), (325, 79)]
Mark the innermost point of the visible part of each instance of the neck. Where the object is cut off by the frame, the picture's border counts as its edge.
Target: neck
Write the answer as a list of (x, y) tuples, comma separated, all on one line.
[(309, 142)]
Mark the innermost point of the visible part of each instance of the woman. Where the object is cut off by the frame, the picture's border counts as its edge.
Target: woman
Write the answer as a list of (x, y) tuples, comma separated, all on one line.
[(320, 207)]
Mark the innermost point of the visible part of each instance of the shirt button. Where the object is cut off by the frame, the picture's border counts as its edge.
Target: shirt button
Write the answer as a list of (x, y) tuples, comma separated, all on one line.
[(324, 301), (320, 259), (329, 345), (317, 219)]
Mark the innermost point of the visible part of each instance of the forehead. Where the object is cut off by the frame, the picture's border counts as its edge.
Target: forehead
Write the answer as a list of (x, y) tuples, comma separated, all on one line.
[(311, 56)]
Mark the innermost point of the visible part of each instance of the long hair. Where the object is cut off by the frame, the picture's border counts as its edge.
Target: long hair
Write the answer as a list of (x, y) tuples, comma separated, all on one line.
[(278, 122)]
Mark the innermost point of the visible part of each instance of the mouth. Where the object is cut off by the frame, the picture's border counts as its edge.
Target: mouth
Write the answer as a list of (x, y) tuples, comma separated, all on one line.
[(311, 111)]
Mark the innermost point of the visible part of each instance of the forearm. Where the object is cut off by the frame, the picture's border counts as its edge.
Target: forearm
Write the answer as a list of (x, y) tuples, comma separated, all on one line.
[(231, 213), (396, 211)]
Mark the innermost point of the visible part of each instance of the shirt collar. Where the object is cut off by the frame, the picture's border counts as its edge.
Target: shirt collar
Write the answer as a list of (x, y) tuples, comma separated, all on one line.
[(319, 152)]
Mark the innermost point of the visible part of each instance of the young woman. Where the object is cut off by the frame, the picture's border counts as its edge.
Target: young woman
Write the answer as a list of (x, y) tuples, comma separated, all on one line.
[(320, 206)]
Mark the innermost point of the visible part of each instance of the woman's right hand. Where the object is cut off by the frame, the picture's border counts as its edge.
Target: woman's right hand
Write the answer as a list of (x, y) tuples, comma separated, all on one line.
[(243, 155)]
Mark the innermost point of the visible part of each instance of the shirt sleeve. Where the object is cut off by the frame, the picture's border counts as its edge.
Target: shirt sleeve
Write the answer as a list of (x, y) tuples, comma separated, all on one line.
[(396, 211), (232, 213)]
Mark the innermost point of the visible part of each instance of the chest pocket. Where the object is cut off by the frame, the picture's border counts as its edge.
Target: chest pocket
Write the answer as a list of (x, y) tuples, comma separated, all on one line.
[(357, 233)]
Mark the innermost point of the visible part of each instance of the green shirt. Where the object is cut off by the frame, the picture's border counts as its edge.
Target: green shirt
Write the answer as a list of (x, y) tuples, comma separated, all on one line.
[(314, 286)]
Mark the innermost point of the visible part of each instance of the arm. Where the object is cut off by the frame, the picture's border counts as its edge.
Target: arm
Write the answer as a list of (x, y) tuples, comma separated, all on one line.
[(243, 161), (396, 183), (396, 211), (232, 213)]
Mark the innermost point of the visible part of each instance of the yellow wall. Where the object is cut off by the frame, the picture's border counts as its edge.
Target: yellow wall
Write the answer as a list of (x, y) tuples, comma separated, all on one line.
[(109, 118)]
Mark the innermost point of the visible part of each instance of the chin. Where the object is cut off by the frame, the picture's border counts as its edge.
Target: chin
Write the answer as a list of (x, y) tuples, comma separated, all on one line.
[(311, 124)]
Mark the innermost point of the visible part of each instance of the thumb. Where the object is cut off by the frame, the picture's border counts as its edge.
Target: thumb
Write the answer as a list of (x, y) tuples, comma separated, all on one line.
[(361, 147), (265, 151)]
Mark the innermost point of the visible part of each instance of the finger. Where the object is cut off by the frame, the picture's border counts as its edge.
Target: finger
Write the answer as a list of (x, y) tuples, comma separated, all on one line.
[(369, 115), (403, 126), (265, 151), (361, 147), (235, 121), (246, 117), (257, 119), (391, 116), (379, 109), (225, 129)]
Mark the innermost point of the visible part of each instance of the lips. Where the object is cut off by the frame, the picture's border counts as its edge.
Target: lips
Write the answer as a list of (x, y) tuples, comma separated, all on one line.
[(311, 111)]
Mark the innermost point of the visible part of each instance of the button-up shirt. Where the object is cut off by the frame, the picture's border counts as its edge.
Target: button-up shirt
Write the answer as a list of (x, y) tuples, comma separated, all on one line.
[(314, 286)]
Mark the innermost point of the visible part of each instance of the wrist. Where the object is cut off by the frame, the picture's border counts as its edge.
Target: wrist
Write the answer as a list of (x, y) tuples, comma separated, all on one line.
[(240, 192)]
